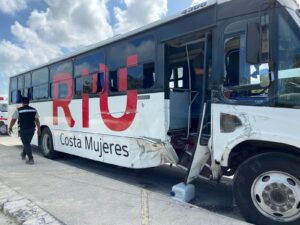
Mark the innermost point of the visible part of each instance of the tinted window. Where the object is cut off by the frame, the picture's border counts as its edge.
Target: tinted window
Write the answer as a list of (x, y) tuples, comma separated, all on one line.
[(56, 69), (87, 86), (144, 47), (27, 82), (20, 82), (13, 83), (135, 78), (93, 83), (27, 86), (78, 85), (40, 92), (14, 96), (40, 84), (138, 77), (90, 61), (113, 81), (149, 75), (237, 71), (64, 67), (40, 76), (288, 63)]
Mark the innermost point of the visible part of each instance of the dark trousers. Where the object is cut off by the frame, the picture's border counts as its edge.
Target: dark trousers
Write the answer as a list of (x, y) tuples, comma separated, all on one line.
[(26, 137)]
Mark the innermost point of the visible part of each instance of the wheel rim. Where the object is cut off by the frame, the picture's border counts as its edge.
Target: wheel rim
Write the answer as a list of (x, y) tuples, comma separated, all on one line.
[(3, 129), (46, 143), (277, 196)]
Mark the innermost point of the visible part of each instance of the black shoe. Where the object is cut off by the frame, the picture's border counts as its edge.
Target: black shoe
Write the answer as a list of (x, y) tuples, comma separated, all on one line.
[(30, 162), (23, 156)]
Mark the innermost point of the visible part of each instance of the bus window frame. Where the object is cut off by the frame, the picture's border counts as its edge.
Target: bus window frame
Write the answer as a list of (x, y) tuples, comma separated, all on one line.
[(78, 95), (234, 28), (50, 81), (48, 85), (281, 11), (153, 59)]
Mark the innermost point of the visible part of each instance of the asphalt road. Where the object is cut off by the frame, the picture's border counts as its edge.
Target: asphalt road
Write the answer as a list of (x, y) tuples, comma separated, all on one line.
[(215, 197)]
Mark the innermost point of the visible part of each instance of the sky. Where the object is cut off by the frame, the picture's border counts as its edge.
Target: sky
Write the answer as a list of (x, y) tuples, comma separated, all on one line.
[(33, 32)]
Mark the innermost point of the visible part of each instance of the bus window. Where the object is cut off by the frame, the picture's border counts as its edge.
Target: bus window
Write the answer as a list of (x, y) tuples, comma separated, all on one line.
[(113, 81), (135, 78), (27, 86), (13, 90), (78, 86), (56, 69), (40, 84), (232, 61), (237, 71), (252, 78), (139, 77), (88, 63), (62, 90), (289, 64), (87, 85), (143, 47), (21, 84), (149, 75)]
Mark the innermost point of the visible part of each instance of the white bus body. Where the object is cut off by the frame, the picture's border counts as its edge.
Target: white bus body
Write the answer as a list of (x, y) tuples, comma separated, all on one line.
[(214, 90)]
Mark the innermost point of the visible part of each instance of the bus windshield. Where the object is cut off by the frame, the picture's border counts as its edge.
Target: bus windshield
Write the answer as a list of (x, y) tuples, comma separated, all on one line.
[(3, 107), (289, 56)]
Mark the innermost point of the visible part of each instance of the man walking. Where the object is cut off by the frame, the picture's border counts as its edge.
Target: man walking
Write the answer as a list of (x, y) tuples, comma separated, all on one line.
[(28, 119)]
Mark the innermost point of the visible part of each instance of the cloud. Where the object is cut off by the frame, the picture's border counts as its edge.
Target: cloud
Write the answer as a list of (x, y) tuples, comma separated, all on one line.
[(12, 6), (64, 26), (138, 13), (72, 23)]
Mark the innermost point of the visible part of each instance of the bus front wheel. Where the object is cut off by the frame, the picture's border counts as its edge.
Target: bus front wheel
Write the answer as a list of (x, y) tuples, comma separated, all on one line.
[(47, 144), (267, 189)]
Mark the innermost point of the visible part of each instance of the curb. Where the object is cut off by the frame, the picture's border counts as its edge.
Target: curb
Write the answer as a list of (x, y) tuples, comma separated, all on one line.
[(24, 211)]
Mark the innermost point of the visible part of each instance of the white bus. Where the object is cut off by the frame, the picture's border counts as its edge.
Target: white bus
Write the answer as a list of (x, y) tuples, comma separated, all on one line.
[(214, 90)]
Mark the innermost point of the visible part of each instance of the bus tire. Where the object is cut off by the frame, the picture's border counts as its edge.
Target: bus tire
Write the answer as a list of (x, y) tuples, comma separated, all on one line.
[(267, 189), (47, 144), (3, 129)]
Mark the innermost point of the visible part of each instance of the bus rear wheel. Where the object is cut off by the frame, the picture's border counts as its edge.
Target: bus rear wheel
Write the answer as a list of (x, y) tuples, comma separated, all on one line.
[(267, 189), (47, 144)]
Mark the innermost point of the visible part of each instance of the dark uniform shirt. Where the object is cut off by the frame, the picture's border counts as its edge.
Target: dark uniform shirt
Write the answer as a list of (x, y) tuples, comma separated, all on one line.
[(26, 116)]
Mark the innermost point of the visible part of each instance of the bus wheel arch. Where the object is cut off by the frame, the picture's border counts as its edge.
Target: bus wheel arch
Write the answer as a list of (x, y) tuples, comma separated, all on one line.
[(247, 149), (268, 191), (46, 143)]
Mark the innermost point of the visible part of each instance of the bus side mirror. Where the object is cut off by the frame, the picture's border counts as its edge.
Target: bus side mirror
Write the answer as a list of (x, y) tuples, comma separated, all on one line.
[(253, 43)]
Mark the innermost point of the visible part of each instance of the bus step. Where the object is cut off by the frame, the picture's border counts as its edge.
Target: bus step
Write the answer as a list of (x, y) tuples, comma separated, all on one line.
[(186, 159)]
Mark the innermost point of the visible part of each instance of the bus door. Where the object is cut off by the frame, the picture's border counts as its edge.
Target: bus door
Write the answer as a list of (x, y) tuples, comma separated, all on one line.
[(188, 60), (186, 84)]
